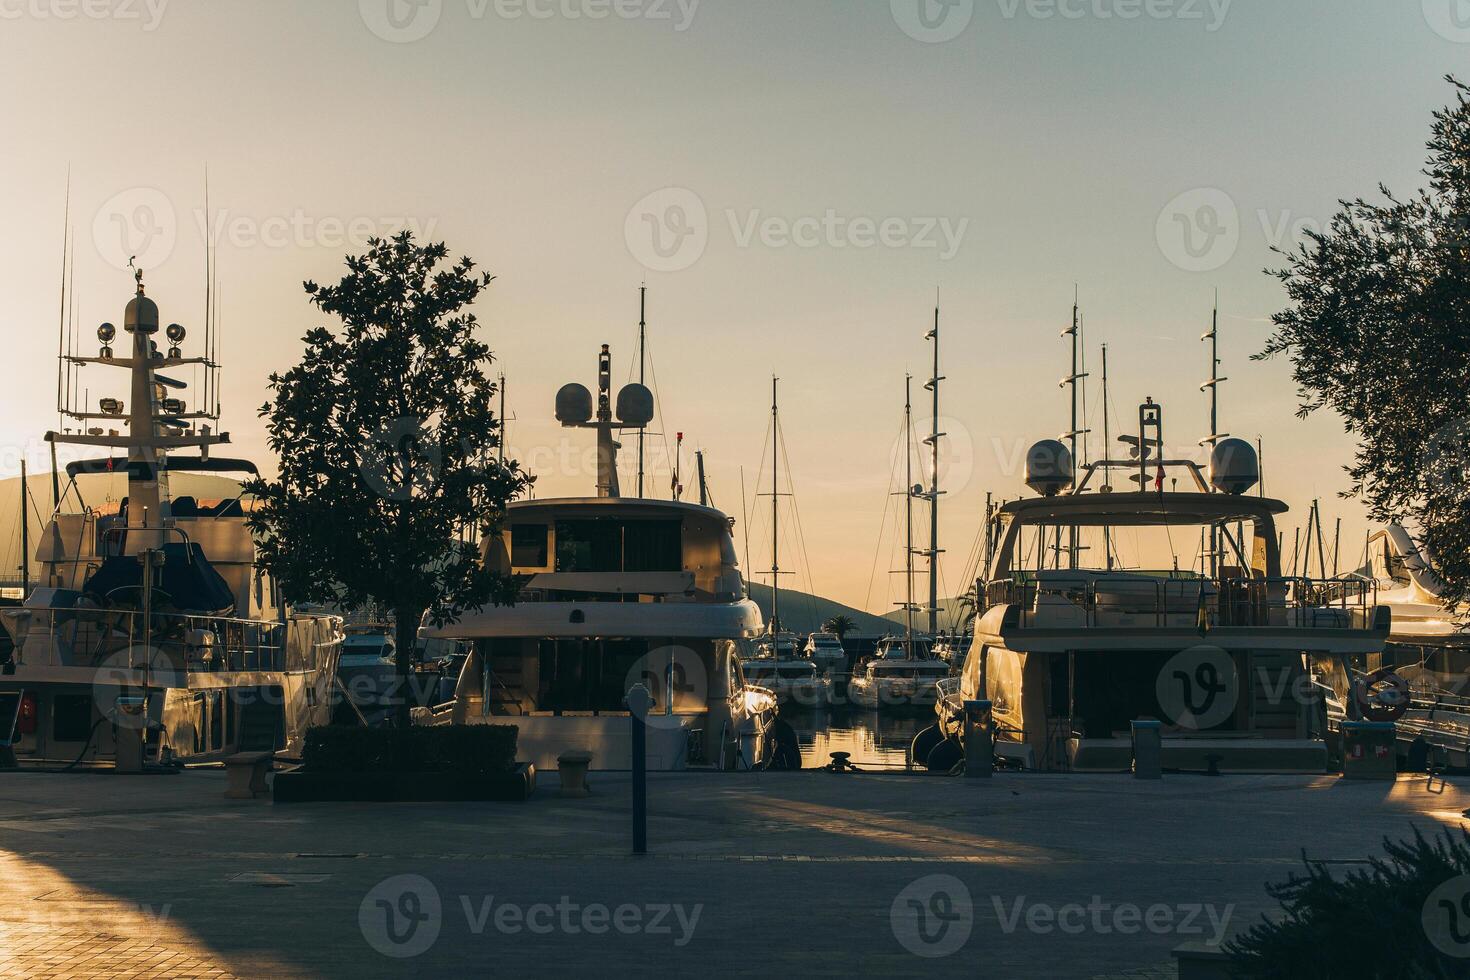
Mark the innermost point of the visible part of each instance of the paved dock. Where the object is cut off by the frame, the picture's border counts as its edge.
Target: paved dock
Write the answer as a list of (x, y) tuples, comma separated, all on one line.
[(770, 874)]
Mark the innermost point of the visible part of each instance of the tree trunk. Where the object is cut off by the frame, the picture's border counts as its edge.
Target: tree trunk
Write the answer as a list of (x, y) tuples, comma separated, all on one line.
[(405, 636)]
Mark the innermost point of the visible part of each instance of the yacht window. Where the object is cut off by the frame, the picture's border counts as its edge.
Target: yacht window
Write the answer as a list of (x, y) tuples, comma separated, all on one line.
[(528, 545), (619, 546)]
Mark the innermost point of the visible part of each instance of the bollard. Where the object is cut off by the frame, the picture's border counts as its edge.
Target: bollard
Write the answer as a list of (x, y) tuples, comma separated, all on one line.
[(979, 740), (572, 767), (1148, 749), (639, 703)]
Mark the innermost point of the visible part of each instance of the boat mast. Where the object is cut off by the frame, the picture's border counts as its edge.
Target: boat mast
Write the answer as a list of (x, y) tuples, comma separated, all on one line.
[(1107, 441), (1213, 387), (933, 441), (703, 487), (1072, 380), (775, 511), (642, 339), (908, 504), (25, 539)]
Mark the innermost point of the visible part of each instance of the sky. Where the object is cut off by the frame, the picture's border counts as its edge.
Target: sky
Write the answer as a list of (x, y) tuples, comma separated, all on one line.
[(795, 181)]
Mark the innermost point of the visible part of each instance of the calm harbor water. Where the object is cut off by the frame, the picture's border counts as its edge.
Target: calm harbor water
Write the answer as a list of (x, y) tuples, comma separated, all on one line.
[(875, 740)]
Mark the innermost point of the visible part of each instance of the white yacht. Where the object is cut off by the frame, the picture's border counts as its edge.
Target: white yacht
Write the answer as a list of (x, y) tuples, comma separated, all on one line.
[(1071, 652), (826, 651), (153, 636), (782, 666), (616, 591), (903, 673)]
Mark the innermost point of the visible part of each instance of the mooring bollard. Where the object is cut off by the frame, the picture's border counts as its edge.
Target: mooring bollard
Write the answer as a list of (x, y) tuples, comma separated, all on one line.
[(979, 740), (639, 703), (572, 767), (1148, 749)]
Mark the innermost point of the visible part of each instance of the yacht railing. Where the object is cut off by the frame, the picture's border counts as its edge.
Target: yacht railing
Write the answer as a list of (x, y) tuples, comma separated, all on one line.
[(1282, 601), (121, 639)]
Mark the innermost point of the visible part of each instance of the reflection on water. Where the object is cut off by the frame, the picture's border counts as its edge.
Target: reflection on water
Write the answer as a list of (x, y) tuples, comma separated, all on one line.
[(874, 740)]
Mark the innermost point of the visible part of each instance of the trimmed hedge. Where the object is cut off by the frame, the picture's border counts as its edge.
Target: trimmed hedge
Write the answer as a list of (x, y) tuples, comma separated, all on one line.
[(461, 750)]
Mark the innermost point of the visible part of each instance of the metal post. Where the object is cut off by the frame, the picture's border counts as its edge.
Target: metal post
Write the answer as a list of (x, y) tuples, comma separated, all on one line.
[(1148, 749), (979, 740), (25, 537), (639, 704), (642, 339)]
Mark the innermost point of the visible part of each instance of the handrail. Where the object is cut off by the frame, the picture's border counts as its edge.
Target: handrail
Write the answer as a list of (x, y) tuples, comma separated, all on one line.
[(1233, 602)]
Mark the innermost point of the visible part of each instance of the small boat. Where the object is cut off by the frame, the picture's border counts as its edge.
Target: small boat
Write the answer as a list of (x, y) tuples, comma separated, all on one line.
[(368, 669), (902, 674), (826, 651)]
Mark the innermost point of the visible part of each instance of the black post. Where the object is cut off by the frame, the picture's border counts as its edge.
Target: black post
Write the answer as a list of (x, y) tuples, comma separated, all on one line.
[(639, 703)]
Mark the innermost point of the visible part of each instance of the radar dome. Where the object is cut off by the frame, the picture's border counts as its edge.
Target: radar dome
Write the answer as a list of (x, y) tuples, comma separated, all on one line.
[(1048, 468), (573, 404), (141, 315), (635, 405), (1234, 468)]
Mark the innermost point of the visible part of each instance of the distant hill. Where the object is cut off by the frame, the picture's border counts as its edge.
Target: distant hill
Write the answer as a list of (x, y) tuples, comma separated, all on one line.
[(804, 613), (97, 490)]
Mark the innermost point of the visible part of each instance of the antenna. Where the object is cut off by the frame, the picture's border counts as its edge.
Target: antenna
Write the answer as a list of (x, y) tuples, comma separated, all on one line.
[(1107, 441), (642, 342)]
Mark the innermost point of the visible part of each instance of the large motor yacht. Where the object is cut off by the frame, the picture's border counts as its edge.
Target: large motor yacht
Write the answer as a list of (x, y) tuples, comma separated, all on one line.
[(153, 636), (1072, 652), (616, 591)]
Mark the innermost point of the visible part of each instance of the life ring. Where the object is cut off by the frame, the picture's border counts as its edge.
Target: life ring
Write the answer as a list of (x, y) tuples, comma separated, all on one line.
[(1382, 695)]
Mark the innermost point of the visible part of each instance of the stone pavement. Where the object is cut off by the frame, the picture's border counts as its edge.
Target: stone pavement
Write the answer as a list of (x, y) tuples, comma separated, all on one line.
[(751, 874)]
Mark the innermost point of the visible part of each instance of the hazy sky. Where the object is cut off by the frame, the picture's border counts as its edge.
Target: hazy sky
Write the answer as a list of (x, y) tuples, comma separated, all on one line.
[(794, 179)]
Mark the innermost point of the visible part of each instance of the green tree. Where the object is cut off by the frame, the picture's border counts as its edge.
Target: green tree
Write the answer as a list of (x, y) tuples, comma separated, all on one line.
[(386, 436), (840, 626), (1379, 330)]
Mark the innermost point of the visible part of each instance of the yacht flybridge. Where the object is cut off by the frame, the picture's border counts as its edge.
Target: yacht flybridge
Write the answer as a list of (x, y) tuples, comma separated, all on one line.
[(153, 636), (1077, 639), (617, 591)]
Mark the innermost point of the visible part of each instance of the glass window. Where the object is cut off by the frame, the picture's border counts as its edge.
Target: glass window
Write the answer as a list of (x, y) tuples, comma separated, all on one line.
[(589, 546), (653, 546), (528, 545)]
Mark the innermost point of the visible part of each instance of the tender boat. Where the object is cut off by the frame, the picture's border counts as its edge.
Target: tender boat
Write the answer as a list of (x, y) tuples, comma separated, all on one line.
[(153, 636), (1070, 654), (902, 674), (617, 591)]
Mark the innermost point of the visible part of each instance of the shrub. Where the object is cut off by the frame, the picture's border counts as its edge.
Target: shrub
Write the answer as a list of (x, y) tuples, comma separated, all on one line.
[(1370, 923), (465, 750)]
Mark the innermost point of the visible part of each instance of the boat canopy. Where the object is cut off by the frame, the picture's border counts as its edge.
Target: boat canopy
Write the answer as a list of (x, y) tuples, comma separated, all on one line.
[(1134, 509)]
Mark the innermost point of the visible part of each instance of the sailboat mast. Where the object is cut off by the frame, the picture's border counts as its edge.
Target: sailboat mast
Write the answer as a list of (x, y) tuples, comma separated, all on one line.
[(1107, 441), (1213, 439), (775, 511), (908, 504), (642, 340), (1075, 430), (933, 440), (25, 538)]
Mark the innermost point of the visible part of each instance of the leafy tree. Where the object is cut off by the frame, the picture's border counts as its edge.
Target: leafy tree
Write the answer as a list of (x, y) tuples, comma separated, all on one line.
[(1379, 330), (839, 626), (1406, 916), (385, 436)]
